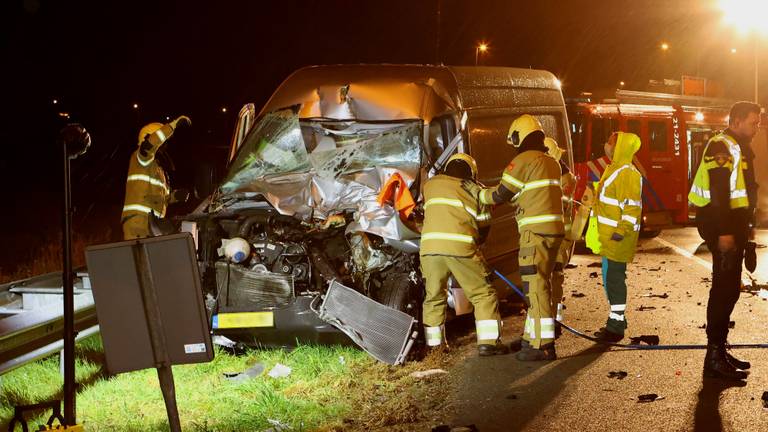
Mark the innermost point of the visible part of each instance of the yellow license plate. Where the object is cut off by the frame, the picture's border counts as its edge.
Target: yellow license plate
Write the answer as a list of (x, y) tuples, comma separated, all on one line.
[(245, 320)]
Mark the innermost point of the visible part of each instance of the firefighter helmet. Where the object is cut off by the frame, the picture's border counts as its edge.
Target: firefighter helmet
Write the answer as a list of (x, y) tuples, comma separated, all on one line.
[(521, 127), (147, 130), (469, 160), (553, 149)]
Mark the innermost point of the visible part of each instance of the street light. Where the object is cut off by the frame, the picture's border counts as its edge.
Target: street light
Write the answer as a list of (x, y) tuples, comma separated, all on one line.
[(664, 46), (747, 16), (135, 106), (482, 47)]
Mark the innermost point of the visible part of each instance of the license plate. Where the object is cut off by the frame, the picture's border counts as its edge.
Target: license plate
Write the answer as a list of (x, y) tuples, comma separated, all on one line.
[(243, 320)]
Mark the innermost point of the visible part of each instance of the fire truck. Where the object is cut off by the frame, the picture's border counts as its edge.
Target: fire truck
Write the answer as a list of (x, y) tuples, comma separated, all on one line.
[(673, 129)]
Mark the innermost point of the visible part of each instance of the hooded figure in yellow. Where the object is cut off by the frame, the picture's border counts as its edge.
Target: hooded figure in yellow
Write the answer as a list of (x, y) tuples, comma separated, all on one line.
[(146, 188), (615, 225)]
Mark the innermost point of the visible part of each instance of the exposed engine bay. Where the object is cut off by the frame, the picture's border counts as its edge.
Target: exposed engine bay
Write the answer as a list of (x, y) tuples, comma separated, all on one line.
[(300, 208)]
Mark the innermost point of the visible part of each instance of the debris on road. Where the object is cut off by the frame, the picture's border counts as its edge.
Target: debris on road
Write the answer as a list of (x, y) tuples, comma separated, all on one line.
[(662, 296), (593, 275), (426, 373), (279, 371), (577, 294), (571, 266), (648, 339), (595, 264), (731, 324), (765, 399), (645, 308), (763, 293), (703, 326), (650, 397), (512, 397), (617, 374), (247, 374)]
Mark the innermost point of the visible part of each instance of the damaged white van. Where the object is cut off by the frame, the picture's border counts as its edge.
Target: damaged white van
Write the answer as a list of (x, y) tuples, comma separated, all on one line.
[(306, 199)]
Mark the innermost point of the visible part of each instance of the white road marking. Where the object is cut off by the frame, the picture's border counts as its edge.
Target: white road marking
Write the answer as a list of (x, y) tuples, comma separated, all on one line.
[(702, 262)]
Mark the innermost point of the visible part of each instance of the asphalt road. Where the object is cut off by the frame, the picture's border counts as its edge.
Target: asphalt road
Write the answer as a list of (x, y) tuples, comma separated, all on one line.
[(574, 393)]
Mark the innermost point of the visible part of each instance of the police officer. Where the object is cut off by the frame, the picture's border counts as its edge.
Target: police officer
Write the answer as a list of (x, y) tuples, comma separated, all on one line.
[(532, 181), (725, 194), (455, 224), (147, 189)]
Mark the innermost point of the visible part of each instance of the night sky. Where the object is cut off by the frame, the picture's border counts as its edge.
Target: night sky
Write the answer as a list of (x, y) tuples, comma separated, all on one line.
[(98, 58)]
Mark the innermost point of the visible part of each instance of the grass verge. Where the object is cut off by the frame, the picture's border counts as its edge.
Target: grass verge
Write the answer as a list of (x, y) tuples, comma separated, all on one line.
[(329, 389)]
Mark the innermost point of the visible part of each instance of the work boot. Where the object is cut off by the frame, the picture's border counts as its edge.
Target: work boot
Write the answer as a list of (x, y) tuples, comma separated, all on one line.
[(529, 353), (518, 344), (499, 348), (605, 335), (716, 364), (738, 364)]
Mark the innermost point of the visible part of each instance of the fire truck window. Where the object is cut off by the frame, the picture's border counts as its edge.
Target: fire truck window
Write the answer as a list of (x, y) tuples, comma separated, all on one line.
[(601, 130), (577, 135), (633, 126), (658, 135)]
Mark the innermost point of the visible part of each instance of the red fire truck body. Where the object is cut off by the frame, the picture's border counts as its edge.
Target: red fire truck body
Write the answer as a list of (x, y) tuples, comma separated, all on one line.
[(673, 137)]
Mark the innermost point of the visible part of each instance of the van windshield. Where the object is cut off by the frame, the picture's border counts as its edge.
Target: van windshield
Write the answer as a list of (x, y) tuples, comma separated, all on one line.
[(281, 145)]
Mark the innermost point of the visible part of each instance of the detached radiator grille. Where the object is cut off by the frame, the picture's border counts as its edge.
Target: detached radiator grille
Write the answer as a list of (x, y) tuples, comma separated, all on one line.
[(247, 290), (385, 333)]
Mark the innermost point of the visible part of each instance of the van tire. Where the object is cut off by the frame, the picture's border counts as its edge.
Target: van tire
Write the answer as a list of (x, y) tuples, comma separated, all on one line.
[(648, 234), (396, 293)]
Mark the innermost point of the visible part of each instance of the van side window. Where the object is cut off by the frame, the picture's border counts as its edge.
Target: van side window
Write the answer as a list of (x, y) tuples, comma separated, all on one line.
[(441, 132), (633, 126), (657, 131)]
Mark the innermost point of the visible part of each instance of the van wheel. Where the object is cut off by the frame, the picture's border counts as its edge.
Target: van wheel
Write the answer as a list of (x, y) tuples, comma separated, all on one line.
[(396, 293)]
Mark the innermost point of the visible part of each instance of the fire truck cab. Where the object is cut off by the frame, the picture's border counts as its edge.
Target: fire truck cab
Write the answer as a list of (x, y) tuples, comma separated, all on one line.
[(673, 133)]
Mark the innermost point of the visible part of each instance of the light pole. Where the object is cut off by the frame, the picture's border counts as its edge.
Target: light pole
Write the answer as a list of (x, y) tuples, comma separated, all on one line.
[(482, 47)]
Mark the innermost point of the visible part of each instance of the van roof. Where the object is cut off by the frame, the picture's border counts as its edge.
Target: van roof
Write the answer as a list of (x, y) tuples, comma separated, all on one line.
[(398, 92)]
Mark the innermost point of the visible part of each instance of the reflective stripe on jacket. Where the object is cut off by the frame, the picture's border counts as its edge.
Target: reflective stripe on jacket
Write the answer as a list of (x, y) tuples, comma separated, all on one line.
[(534, 178), (452, 218), (619, 204), (701, 195), (146, 188)]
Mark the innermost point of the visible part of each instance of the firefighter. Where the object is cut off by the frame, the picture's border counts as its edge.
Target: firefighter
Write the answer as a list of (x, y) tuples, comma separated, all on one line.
[(615, 226), (724, 192), (455, 224), (532, 181), (567, 183), (147, 189)]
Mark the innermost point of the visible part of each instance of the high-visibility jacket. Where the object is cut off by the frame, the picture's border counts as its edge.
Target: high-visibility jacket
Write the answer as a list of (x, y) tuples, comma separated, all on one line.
[(452, 218), (146, 188), (619, 204), (534, 178), (700, 194)]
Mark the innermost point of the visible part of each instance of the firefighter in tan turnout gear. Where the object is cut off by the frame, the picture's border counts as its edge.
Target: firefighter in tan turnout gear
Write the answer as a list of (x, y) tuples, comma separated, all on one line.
[(532, 182), (455, 224), (146, 188)]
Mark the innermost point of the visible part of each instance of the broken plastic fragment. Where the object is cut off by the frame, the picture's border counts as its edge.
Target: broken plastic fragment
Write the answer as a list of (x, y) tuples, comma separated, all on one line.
[(663, 296), (279, 371), (648, 339), (617, 374), (645, 308), (426, 373), (249, 373), (577, 294), (650, 397), (593, 275), (731, 324)]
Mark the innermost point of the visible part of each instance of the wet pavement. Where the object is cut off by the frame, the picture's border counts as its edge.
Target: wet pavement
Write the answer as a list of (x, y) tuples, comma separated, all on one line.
[(586, 388)]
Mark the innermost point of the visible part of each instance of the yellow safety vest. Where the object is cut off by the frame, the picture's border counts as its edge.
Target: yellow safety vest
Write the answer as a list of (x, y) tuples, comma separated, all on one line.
[(452, 218), (619, 204), (700, 194)]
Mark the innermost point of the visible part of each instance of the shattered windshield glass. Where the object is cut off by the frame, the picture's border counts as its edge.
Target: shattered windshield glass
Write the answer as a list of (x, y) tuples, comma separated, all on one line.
[(274, 146)]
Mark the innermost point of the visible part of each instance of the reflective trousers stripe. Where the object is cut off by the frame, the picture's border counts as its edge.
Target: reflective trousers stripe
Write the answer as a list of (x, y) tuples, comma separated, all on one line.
[(618, 308), (559, 315), (606, 221), (630, 219), (143, 163), (487, 329), (547, 328), (434, 335), (539, 219), (615, 316), (145, 178), (448, 236), (703, 193)]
